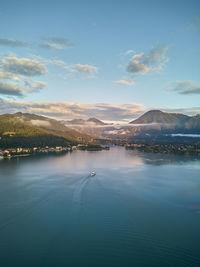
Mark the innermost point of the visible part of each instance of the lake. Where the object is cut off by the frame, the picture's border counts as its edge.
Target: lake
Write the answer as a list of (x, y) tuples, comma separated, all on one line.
[(140, 209)]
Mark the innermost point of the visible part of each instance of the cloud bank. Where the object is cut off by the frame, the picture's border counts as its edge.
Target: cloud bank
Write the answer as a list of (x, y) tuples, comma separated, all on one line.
[(67, 111), (104, 111)]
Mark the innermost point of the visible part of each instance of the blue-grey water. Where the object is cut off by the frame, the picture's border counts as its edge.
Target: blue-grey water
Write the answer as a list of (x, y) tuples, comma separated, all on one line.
[(140, 209)]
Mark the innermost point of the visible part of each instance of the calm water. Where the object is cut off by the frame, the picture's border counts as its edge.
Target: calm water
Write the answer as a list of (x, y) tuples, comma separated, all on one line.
[(140, 209)]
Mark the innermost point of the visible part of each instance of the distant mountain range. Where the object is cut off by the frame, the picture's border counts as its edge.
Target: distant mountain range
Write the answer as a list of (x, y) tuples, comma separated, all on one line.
[(152, 123), (24, 129)]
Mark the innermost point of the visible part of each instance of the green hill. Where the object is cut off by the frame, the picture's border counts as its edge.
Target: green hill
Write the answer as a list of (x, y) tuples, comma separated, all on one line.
[(23, 129), (53, 126)]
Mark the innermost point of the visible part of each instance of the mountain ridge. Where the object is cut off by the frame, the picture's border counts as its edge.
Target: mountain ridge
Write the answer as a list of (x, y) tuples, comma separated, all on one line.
[(22, 128), (85, 122), (158, 116)]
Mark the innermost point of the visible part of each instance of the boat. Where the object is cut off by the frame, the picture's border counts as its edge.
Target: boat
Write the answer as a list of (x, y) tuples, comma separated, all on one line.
[(92, 174)]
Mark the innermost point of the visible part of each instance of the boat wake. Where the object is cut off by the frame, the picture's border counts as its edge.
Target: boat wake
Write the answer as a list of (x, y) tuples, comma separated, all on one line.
[(79, 193)]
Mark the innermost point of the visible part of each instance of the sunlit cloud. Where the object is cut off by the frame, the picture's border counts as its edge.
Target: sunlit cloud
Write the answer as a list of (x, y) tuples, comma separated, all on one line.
[(104, 111), (124, 82), (67, 111), (89, 70)]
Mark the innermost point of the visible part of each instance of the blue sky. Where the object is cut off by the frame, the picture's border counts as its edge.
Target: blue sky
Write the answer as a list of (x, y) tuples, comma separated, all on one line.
[(145, 53)]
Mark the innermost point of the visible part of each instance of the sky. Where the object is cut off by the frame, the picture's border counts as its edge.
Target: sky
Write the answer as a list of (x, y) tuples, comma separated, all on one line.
[(108, 59)]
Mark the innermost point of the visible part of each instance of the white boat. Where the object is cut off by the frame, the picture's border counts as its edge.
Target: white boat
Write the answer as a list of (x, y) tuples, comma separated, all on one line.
[(92, 174)]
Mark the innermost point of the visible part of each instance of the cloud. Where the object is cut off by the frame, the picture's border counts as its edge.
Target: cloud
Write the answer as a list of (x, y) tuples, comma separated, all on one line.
[(10, 89), (40, 123), (124, 82), (90, 70), (8, 76), (117, 132), (104, 111), (12, 43), (28, 87), (22, 66), (67, 111), (35, 86), (148, 63), (16, 79), (56, 43), (72, 69), (185, 87), (5, 75), (128, 52), (20, 71)]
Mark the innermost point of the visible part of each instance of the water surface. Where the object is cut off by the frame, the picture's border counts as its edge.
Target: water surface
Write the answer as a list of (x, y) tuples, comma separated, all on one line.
[(141, 209)]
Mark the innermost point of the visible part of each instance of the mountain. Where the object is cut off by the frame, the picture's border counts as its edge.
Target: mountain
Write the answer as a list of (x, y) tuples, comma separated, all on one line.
[(193, 122), (96, 121), (89, 122), (157, 116), (152, 123), (168, 122), (23, 128)]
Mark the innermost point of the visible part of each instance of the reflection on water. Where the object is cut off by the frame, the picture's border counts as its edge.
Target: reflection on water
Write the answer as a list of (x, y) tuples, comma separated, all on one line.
[(141, 209)]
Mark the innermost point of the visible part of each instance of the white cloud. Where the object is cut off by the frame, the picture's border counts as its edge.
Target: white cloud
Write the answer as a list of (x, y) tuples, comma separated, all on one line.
[(124, 82), (72, 69), (90, 70), (128, 52)]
